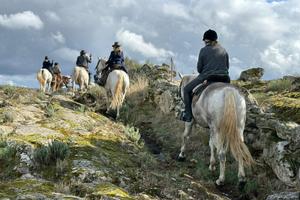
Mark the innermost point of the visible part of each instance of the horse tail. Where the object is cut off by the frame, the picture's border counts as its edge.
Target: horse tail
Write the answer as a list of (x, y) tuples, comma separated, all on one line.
[(118, 96), (41, 77), (230, 133)]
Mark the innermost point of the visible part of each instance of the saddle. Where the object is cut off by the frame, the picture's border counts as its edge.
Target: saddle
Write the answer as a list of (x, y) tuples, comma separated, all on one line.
[(197, 91), (105, 72)]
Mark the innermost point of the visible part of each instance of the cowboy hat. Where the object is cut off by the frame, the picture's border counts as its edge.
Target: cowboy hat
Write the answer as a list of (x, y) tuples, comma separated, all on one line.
[(116, 44)]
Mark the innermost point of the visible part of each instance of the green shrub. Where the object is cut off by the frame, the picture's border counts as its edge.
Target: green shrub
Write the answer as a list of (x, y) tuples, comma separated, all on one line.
[(41, 155), (6, 152), (58, 151), (8, 160), (251, 187), (50, 111), (133, 134), (51, 154), (279, 85)]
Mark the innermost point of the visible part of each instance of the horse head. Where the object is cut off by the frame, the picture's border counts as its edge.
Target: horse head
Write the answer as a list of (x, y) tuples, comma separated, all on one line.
[(100, 65)]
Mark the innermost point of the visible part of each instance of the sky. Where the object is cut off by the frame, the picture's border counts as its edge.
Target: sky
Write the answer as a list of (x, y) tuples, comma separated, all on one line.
[(255, 33)]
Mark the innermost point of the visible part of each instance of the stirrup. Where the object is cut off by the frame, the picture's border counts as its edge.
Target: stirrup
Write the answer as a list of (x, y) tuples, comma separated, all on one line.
[(184, 117)]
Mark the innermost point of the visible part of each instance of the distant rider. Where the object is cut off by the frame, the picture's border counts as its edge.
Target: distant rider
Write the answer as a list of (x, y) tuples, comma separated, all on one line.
[(47, 64), (83, 60)]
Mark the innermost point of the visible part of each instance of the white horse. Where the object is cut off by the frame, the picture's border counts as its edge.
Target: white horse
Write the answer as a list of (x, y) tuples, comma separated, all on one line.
[(222, 108), (44, 77), (116, 85), (80, 76)]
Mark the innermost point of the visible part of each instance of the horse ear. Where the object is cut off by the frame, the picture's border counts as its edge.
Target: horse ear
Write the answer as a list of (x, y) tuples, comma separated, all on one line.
[(180, 75), (99, 58)]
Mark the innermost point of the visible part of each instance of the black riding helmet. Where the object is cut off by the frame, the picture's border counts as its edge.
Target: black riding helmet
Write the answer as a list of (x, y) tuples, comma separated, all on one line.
[(82, 52), (210, 35)]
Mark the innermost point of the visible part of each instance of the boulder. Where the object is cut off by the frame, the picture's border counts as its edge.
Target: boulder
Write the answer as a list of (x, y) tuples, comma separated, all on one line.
[(253, 74)]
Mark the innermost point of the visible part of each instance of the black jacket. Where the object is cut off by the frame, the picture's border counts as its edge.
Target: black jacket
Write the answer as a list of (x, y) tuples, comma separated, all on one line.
[(83, 61), (213, 60)]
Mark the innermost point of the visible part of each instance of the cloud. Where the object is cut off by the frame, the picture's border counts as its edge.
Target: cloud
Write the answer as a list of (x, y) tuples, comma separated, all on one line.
[(254, 33), (282, 57), (58, 37), (137, 43), (67, 54), (52, 16), (23, 20), (122, 3), (176, 9)]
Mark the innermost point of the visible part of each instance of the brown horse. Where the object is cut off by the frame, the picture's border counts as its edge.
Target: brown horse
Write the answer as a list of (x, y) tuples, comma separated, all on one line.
[(59, 81)]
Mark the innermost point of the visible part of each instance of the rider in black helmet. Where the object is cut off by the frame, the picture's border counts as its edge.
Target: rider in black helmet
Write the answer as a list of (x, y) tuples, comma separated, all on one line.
[(47, 64), (83, 60), (213, 61)]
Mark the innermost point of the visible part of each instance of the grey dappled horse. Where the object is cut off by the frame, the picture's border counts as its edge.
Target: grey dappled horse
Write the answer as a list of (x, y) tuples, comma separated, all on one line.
[(222, 108)]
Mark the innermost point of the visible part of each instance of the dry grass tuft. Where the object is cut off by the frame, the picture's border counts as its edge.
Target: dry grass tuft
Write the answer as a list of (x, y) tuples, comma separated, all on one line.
[(138, 90)]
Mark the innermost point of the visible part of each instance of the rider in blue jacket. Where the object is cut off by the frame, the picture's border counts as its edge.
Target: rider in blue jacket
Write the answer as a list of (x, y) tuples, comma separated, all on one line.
[(115, 61)]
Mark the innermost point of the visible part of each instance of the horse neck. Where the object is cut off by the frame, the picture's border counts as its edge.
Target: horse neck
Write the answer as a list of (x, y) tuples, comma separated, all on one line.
[(100, 66)]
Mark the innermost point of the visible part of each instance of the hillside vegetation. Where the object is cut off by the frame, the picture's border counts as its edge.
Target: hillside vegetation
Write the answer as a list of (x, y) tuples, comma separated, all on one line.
[(62, 147)]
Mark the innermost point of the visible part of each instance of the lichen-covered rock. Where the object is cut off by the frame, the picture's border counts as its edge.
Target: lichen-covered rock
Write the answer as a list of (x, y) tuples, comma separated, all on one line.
[(284, 196), (295, 80), (276, 157), (166, 102), (253, 74)]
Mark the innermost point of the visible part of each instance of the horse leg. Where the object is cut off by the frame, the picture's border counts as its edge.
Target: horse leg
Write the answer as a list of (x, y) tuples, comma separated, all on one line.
[(241, 172), (221, 149), (212, 162), (185, 137), (48, 84)]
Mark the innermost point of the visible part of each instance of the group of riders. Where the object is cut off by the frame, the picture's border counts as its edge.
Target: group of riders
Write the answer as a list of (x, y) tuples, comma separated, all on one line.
[(116, 61), (212, 66)]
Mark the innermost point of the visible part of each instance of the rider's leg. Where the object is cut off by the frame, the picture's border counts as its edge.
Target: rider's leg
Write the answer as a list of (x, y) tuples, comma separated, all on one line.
[(187, 99)]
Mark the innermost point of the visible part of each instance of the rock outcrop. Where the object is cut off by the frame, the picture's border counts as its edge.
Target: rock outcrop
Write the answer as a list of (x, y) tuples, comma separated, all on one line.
[(274, 142), (253, 74)]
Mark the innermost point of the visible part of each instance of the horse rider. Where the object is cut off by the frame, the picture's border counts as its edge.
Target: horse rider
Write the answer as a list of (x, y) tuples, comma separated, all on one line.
[(47, 64), (115, 61), (213, 61), (56, 69), (83, 60), (57, 77)]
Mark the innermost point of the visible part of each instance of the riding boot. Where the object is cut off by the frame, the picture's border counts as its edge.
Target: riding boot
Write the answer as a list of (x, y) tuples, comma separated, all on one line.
[(90, 78), (187, 114)]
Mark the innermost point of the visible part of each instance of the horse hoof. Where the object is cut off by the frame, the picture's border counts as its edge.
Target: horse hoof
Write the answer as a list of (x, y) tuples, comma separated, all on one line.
[(242, 185), (212, 168), (181, 158), (219, 183)]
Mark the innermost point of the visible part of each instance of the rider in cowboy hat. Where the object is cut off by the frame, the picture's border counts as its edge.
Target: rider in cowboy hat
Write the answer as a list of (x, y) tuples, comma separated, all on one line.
[(115, 61)]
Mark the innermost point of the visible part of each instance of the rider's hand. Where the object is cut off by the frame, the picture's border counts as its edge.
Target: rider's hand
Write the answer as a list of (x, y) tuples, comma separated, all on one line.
[(205, 82)]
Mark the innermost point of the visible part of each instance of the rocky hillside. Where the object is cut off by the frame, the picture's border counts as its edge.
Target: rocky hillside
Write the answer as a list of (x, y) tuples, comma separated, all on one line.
[(61, 147), (53, 147)]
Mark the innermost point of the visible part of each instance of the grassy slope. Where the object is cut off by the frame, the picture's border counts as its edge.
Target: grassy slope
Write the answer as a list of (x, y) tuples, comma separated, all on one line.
[(122, 167)]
